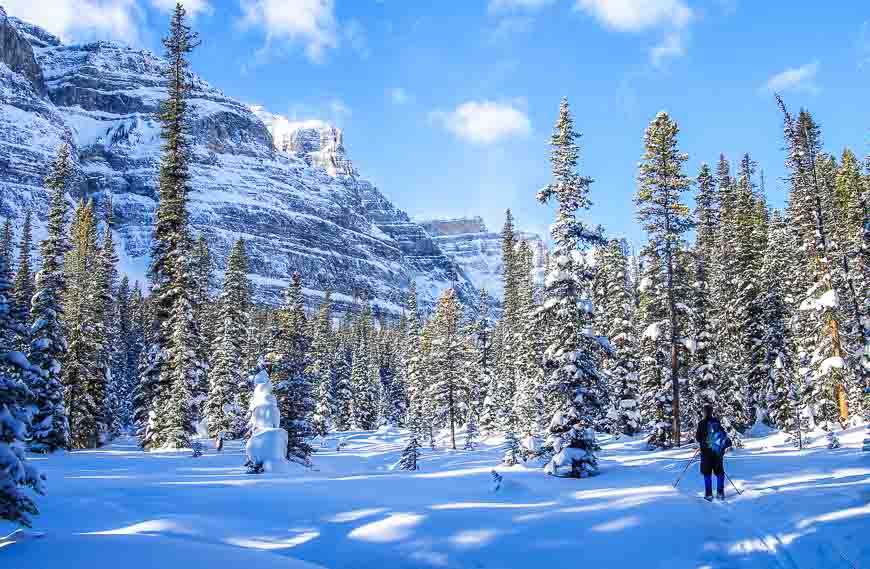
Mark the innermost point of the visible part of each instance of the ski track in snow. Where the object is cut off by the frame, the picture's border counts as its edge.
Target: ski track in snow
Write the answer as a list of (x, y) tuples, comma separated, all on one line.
[(805, 509)]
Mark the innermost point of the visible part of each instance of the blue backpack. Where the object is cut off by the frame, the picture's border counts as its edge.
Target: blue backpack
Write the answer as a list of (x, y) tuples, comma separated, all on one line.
[(717, 438)]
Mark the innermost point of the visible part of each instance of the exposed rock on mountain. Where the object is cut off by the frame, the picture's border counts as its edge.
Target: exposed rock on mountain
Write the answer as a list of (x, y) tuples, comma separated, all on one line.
[(289, 189), (477, 251)]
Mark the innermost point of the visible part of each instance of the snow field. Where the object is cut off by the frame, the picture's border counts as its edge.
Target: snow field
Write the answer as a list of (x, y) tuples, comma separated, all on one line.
[(799, 509)]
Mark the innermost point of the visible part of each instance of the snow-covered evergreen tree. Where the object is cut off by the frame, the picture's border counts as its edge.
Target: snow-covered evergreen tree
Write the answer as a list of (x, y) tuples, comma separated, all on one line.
[(410, 454), (666, 219), (778, 315), (83, 377), (571, 358), (445, 363), (320, 368), (526, 348), (705, 358), (16, 373), (289, 359), (342, 365), (412, 365), (621, 366), (24, 286), (48, 346), (820, 334), (175, 363), (223, 411), (106, 333)]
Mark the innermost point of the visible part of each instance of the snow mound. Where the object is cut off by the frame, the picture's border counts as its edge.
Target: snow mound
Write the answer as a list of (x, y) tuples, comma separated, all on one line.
[(268, 443)]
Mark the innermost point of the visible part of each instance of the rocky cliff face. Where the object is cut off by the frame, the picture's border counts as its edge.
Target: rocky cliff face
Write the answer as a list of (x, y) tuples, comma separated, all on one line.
[(477, 251), (288, 189)]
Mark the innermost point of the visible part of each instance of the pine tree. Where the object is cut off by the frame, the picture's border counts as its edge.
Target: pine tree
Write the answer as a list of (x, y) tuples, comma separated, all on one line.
[(705, 363), (527, 347), (484, 363), (16, 373), (175, 362), (621, 367), (571, 358), (665, 218), (342, 365), (321, 367), (364, 380), (205, 312), (445, 362), (48, 346), (83, 378), (410, 454), (293, 389), (819, 301), (223, 411), (851, 214), (24, 286), (106, 334), (412, 365), (778, 315)]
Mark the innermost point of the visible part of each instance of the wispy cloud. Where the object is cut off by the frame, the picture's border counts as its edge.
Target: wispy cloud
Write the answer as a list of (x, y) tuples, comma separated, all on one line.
[(509, 26), (484, 122), (799, 79), (82, 19), (311, 23), (673, 16), (502, 5), (193, 7), (338, 108), (398, 95)]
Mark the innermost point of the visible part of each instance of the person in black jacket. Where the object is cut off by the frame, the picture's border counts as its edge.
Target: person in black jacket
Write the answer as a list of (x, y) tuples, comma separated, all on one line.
[(713, 441)]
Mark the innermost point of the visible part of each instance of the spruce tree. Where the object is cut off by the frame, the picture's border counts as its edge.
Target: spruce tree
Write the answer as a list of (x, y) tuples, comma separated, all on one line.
[(665, 218), (175, 362), (410, 454), (704, 374), (83, 378), (320, 368), (412, 365), (48, 346), (527, 347), (621, 366), (571, 358), (223, 412), (16, 373), (24, 286), (106, 334), (293, 388), (821, 336), (445, 363), (342, 364)]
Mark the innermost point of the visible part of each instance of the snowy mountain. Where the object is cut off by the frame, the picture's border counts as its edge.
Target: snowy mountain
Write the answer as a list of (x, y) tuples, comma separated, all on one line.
[(477, 251), (289, 189)]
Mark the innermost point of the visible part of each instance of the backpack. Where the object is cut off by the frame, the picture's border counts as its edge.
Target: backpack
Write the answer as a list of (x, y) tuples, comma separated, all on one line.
[(717, 438)]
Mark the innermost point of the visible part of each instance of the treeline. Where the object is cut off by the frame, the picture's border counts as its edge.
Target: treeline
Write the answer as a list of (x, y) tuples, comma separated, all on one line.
[(765, 315)]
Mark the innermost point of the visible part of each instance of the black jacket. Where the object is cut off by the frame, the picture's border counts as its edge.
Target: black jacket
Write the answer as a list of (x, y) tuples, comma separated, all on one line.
[(701, 433)]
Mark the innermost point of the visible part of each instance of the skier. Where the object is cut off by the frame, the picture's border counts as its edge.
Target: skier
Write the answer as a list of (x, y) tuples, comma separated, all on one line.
[(714, 441)]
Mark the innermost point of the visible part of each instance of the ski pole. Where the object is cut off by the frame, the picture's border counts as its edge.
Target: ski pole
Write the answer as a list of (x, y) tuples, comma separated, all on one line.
[(680, 477), (732, 483)]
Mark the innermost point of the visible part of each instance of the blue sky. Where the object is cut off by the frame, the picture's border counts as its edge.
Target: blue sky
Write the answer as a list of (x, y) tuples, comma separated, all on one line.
[(448, 105)]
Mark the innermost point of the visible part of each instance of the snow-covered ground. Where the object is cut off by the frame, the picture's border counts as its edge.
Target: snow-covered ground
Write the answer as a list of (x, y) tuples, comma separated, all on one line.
[(120, 507)]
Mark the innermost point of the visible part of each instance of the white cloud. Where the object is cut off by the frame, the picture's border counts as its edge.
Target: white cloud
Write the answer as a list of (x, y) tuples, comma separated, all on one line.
[(510, 26), (637, 15), (309, 22), (672, 45), (193, 7), (484, 122), (673, 16), (794, 79), (498, 5), (81, 20), (399, 95)]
